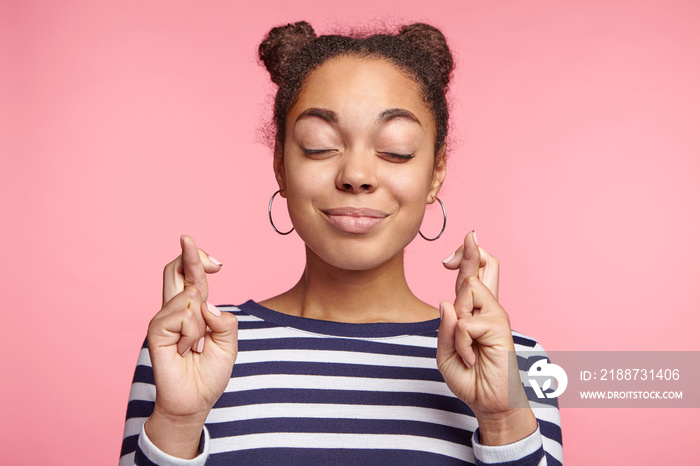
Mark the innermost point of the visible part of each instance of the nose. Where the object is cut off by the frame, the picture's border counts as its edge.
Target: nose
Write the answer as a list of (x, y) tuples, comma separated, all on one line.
[(357, 172)]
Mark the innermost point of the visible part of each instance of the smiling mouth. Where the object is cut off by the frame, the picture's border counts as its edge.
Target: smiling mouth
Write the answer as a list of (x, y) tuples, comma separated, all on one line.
[(354, 220)]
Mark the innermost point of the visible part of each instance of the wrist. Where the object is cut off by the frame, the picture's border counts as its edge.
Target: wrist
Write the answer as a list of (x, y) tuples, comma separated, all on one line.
[(175, 435), (507, 427)]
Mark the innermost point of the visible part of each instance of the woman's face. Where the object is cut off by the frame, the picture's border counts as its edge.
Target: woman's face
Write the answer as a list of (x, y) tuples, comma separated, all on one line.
[(359, 164)]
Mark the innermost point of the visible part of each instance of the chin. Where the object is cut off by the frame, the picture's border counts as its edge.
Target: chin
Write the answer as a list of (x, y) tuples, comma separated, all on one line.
[(355, 252), (356, 263), (356, 257)]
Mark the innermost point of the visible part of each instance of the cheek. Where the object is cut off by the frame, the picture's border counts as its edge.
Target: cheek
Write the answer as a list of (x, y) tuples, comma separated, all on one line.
[(304, 187), (410, 186)]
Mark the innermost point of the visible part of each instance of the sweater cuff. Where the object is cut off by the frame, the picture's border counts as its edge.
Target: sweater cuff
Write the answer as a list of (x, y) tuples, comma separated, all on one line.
[(149, 454), (527, 451)]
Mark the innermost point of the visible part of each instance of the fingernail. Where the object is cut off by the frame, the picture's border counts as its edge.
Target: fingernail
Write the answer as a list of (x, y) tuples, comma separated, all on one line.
[(216, 262), (182, 241), (474, 233), (200, 345), (440, 310), (213, 309), (469, 366), (449, 258), (186, 351)]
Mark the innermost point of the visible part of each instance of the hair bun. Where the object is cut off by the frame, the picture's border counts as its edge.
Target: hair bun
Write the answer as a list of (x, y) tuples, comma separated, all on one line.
[(431, 40), (281, 43)]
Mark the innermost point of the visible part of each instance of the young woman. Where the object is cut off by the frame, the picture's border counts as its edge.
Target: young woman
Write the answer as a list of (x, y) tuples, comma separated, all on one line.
[(348, 366)]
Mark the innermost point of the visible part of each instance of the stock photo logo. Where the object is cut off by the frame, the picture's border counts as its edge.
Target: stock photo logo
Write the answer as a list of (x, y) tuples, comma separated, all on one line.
[(549, 372)]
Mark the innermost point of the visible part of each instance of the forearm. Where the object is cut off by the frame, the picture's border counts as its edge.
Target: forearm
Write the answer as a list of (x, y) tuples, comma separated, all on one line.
[(176, 437), (507, 428)]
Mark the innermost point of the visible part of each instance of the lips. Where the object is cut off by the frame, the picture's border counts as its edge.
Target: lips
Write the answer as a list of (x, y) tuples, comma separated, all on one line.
[(354, 220), (355, 212)]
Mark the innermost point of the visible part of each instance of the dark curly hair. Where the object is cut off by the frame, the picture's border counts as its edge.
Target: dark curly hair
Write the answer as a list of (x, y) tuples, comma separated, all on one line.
[(292, 51)]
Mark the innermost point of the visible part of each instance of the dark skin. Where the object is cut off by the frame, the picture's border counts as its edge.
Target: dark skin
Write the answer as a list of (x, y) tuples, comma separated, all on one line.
[(357, 168)]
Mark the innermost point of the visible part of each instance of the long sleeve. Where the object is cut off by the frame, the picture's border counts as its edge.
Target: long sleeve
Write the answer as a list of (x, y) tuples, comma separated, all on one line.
[(542, 447), (137, 449), (305, 391)]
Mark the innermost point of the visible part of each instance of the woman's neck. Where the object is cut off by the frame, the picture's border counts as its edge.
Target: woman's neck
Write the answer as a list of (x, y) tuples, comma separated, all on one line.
[(329, 293)]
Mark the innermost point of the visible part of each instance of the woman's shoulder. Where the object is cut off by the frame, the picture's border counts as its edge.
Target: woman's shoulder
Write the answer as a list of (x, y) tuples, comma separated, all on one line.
[(527, 344), (522, 340), (528, 350)]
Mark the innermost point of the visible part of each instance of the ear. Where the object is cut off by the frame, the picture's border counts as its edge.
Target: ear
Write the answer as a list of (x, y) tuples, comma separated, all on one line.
[(278, 167), (439, 173)]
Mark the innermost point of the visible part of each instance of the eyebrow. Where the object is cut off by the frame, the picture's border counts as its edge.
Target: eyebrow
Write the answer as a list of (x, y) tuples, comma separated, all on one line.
[(322, 113), (385, 116), (392, 113)]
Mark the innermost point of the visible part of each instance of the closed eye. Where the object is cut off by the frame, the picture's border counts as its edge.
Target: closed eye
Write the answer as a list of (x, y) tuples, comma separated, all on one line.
[(398, 156), (316, 151), (386, 154)]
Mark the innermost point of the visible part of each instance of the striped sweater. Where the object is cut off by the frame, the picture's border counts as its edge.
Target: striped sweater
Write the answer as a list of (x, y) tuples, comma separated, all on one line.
[(307, 391)]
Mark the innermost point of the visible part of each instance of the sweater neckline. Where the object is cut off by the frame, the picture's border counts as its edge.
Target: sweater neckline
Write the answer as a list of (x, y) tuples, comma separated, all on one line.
[(344, 329)]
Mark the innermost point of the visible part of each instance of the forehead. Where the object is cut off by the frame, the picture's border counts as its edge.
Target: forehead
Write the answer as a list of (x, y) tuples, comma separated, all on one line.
[(359, 87)]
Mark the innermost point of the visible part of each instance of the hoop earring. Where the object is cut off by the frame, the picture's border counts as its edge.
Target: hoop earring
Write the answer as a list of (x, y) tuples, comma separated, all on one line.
[(444, 222), (269, 212)]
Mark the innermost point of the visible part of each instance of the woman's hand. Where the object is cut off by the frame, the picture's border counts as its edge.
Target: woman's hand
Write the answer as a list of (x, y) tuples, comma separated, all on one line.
[(474, 340), (192, 346)]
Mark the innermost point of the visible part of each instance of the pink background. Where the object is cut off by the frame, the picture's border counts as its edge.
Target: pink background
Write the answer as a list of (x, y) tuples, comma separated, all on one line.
[(125, 124)]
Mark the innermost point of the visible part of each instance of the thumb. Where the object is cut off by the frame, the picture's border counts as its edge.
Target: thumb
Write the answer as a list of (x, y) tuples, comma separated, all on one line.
[(467, 258), (224, 327)]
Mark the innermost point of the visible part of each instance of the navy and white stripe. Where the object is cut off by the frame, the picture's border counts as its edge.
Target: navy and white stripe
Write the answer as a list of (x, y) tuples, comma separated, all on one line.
[(306, 391)]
